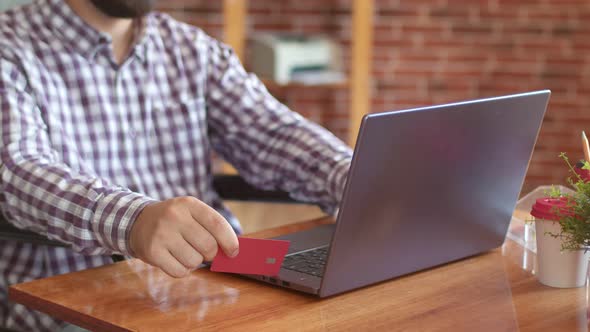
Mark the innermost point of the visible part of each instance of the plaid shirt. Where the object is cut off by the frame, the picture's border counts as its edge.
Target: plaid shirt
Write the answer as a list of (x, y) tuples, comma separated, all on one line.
[(85, 143)]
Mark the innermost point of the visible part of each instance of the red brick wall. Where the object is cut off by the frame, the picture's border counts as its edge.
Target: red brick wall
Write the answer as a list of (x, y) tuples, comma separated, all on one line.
[(438, 51)]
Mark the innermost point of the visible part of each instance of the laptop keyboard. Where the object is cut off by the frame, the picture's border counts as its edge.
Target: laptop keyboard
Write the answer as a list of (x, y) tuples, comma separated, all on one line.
[(309, 262)]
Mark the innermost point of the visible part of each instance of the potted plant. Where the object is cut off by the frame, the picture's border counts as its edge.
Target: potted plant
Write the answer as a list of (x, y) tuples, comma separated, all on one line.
[(562, 226)]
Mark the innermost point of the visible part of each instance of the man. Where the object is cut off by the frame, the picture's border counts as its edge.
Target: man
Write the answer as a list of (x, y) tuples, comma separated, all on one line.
[(109, 115)]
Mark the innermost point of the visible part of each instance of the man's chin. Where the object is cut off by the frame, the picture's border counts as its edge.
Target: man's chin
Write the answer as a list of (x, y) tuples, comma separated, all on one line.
[(124, 8)]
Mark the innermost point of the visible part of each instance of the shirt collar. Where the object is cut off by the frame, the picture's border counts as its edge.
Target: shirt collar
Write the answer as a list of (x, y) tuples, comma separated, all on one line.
[(145, 37), (84, 39)]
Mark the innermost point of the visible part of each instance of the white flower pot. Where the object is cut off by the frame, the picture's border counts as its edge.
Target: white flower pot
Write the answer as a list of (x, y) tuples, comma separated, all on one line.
[(557, 268)]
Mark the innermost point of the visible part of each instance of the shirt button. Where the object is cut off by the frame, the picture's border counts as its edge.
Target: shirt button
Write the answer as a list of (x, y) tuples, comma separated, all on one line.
[(132, 133)]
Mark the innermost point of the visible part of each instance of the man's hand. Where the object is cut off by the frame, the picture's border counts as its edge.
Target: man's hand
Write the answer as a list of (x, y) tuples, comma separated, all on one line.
[(178, 234)]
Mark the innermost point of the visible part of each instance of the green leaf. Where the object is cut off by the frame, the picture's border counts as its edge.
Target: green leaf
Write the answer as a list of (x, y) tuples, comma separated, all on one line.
[(554, 192), (575, 229)]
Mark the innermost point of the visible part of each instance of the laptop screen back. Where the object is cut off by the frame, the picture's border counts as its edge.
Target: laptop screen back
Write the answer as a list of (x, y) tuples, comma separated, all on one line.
[(431, 185)]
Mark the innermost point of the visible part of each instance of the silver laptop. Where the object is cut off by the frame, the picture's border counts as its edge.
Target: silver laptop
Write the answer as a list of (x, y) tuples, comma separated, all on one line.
[(427, 186)]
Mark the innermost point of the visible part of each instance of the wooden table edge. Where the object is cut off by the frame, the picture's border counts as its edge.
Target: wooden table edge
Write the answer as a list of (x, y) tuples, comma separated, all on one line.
[(18, 295), (60, 312)]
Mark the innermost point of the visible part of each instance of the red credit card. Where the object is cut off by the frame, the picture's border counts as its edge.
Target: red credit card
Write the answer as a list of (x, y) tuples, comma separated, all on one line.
[(257, 256)]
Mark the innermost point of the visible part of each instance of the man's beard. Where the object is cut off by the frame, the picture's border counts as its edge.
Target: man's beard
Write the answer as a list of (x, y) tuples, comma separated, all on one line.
[(124, 8)]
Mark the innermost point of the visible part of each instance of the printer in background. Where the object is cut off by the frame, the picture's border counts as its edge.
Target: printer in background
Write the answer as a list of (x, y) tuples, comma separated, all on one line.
[(286, 58)]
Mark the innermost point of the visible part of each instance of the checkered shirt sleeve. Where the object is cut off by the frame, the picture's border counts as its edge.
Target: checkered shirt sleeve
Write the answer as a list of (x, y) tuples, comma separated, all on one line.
[(271, 146), (43, 194)]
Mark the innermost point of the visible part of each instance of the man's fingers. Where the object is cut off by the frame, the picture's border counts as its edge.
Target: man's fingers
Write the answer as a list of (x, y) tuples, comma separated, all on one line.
[(170, 264), (200, 239), (177, 234), (217, 226), (186, 254)]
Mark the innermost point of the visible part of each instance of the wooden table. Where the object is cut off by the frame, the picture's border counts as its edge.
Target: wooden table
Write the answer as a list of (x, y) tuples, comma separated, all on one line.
[(495, 291)]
